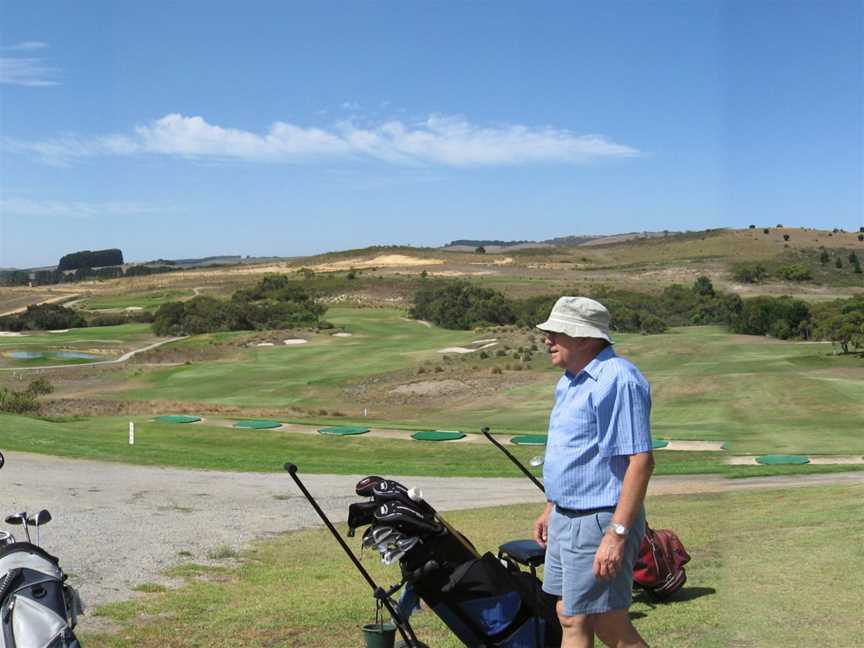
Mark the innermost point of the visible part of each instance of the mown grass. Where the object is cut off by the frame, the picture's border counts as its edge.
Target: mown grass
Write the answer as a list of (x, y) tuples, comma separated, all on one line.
[(148, 300), (768, 569), (224, 448)]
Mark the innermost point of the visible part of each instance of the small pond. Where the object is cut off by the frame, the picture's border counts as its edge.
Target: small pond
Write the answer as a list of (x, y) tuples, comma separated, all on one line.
[(52, 355)]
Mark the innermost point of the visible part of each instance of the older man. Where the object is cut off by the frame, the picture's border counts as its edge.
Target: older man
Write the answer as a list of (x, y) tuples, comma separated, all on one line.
[(598, 463)]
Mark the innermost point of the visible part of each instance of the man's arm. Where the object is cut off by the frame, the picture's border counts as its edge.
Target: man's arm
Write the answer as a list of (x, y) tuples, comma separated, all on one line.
[(608, 559)]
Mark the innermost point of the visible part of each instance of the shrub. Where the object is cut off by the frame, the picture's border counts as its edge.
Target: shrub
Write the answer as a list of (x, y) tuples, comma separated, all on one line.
[(795, 272), (765, 231), (749, 272), (459, 305), (703, 286), (785, 237), (861, 237), (824, 257)]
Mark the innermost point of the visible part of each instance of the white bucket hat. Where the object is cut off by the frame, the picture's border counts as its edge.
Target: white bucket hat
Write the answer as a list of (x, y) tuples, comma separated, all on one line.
[(578, 317)]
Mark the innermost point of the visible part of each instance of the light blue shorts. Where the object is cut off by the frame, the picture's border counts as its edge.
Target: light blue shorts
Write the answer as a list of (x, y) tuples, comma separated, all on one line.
[(573, 540)]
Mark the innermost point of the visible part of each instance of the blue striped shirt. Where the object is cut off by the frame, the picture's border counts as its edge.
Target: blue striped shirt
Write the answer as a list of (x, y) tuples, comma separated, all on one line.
[(601, 416)]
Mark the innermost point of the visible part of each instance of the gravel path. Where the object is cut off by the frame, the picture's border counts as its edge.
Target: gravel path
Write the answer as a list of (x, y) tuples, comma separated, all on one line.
[(118, 525)]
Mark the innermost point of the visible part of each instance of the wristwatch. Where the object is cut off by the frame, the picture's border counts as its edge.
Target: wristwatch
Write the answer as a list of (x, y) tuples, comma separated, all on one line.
[(618, 529)]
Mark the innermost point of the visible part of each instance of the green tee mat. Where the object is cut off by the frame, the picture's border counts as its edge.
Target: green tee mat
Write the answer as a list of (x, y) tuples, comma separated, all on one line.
[(659, 443), (529, 439), (343, 431), (438, 435), (778, 460), (177, 418), (258, 425)]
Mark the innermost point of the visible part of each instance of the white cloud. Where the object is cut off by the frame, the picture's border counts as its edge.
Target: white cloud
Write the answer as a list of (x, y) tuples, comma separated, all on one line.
[(436, 140), (26, 46), (31, 72), (73, 210), (351, 105)]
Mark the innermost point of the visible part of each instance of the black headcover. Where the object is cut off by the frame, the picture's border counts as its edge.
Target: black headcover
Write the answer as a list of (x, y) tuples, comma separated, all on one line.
[(364, 486), (408, 518), (360, 514)]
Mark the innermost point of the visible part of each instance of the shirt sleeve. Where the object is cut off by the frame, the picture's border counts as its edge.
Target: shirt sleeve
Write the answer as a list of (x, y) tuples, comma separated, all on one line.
[(624, 420)]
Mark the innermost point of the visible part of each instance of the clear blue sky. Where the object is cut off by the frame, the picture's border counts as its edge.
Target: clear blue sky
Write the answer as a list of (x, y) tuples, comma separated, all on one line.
[(285, 128)]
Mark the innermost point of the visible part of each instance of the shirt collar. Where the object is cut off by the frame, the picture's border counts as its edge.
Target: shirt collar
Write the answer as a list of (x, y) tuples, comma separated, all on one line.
[(594, 367)]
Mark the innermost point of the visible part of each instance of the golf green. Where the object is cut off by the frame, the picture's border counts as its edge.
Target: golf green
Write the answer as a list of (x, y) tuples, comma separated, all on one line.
[(257, 425), (438, 435), (343, 431), (529, 439), (177, 418)]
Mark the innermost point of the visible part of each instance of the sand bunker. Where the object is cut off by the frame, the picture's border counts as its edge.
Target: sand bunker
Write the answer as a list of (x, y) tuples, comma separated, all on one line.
[(423, 322), (134, 308), (295, 341), (485, 341), (466, 349), (60, 331), (265, 344), (343, 334), (383, 261), (10, 334)]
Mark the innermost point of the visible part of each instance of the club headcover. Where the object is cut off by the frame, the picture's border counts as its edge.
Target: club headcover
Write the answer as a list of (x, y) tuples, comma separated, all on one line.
[(360, 514), (364, 486), (392, 491), (407, 518)]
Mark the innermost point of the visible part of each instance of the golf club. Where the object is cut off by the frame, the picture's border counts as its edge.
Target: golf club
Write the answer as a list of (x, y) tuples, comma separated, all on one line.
[(42, 517), (516, 462), (17, 519), (416, 495)]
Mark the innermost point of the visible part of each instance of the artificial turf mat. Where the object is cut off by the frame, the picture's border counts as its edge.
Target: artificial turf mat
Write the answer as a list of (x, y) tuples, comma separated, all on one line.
[(438, 435), (529, 439), (779, 459), (177, 418), (659, 443), (346, 430), (258, 425)]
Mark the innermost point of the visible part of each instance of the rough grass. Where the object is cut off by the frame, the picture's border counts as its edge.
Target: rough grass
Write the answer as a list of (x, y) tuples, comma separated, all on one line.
[(766, 570)]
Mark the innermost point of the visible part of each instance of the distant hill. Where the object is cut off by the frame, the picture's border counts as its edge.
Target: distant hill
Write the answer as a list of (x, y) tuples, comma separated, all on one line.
[(484, 243)]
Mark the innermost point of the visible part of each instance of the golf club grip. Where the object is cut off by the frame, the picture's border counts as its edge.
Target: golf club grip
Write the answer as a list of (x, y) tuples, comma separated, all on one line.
[(291, 468), (510, 456)]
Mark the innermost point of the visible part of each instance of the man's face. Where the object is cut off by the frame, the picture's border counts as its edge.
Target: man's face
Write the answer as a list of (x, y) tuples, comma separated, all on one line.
[(565, 351)]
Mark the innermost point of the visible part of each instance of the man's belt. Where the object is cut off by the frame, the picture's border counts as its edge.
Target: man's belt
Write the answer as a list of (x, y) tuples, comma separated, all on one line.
[(582, 512)]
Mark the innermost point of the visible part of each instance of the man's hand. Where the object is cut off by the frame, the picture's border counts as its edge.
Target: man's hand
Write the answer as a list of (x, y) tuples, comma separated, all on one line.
[(541, 526), (607, 560)]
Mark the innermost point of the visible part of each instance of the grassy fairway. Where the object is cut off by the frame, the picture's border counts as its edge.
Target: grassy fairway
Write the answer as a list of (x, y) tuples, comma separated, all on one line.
[(764, 573), (146, 300), (312, 374)]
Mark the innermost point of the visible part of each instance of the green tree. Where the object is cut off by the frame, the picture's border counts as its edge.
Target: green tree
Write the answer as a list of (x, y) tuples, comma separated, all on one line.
[(703, 286), (824, 257), (480, 250)]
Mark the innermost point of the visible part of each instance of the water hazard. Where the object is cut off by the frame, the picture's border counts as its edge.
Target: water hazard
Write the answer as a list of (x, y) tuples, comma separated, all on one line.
[(51, 355)]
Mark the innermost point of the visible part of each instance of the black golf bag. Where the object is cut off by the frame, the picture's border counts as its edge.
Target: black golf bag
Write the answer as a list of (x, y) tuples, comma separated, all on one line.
[(486, 601), (37, 608)]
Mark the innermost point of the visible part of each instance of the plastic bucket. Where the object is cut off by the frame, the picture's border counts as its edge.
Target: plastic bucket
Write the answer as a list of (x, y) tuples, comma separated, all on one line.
[(379, 635)]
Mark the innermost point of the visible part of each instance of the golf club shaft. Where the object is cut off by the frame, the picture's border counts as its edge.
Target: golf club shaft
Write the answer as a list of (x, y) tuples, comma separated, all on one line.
[(404, 629), (510, 456)]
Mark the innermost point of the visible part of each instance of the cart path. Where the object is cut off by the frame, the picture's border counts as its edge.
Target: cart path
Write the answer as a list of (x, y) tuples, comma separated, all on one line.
[(117, 525)]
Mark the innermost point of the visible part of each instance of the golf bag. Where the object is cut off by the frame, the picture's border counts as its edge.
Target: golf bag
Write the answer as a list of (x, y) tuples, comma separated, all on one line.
[(659, 570), (37, 608), (486, 601)]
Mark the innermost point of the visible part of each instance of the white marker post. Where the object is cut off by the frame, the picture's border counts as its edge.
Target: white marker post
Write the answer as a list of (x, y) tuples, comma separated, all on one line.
[(364, 412), (131, 433)]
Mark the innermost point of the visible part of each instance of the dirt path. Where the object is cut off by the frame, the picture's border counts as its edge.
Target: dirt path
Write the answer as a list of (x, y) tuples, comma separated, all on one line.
[(118, 525)]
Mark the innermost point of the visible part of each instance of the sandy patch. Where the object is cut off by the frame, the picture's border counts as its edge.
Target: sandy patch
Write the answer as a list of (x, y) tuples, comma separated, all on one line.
[(485, 341), (465, 349), (295, 341), (430, 388), (10, 334), (265, 344), (343, 335), (383, 261), (60, 331), (134, 308), (456, 273)]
